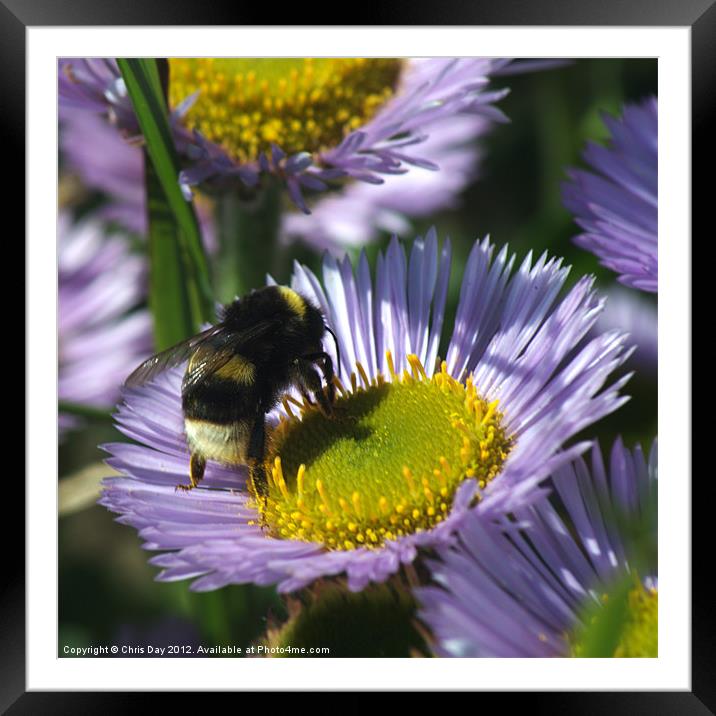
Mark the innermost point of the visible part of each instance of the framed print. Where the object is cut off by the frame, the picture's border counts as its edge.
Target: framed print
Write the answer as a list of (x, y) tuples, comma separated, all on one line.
[(363, 353)]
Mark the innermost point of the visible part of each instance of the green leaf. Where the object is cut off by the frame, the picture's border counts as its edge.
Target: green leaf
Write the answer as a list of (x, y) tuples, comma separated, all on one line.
[(169, 299), (604, 623), (144, 86)]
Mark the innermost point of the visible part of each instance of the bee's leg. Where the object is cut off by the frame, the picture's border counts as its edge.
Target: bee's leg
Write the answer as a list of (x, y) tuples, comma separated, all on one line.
[(255, 455), (300, 381), (310, 379), (197, 465), (327, 369), (305, 393)]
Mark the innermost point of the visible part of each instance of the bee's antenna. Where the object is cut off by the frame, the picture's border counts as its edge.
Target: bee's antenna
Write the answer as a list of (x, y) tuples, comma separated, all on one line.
[(338, 350)]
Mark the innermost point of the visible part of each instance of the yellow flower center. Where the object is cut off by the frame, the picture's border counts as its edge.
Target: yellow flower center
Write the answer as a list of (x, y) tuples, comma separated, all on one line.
[(301, 105), (387, 463), (640, 633)]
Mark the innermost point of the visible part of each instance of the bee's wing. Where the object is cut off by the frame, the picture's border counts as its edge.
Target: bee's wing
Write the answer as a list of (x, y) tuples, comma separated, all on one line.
[(207, 359), (169, 358)]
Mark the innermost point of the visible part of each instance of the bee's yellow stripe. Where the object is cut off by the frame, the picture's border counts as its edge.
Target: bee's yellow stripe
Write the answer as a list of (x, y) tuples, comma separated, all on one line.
[(239, 370), (223, 443), (294, 301)]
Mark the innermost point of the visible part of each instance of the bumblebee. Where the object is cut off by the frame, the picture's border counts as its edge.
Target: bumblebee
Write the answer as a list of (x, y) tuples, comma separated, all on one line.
[(238, 370)]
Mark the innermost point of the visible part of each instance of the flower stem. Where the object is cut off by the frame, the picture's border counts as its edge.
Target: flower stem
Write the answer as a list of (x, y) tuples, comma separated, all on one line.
[(248, 238)]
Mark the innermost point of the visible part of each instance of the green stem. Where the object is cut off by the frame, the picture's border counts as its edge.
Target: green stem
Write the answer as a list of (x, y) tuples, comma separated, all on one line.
[(553, 127), (170, 294), (248, 238), (213, 617), (144, 86)]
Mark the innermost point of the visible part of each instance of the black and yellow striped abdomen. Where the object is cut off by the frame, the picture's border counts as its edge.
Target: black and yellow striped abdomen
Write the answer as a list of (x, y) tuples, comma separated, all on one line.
[(219, 412)]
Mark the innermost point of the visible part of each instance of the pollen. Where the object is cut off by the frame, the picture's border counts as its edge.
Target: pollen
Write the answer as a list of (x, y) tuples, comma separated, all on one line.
[(639, 636), (385, 464), (301, 105)]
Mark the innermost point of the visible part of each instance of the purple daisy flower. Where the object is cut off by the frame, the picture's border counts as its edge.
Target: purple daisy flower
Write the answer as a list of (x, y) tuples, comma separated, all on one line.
[(616, 205), (355, 215), (307, 121), (107, 162), (100, 338), (510, 593), (413, 442), (95, 85)]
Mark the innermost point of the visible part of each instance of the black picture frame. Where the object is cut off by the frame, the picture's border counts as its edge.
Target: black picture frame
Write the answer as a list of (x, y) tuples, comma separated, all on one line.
[(699, 15)]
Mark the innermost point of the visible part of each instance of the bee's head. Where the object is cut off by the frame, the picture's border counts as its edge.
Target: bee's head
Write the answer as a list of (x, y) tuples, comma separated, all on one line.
[(316, 326)]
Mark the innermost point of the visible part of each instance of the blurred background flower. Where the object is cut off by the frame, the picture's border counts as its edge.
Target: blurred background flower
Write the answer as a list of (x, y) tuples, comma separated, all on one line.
[(402, 128), (356, 215), (539, 591), (617, 204), (93, 150), (100, 336), (107, 163), (636, 313)]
